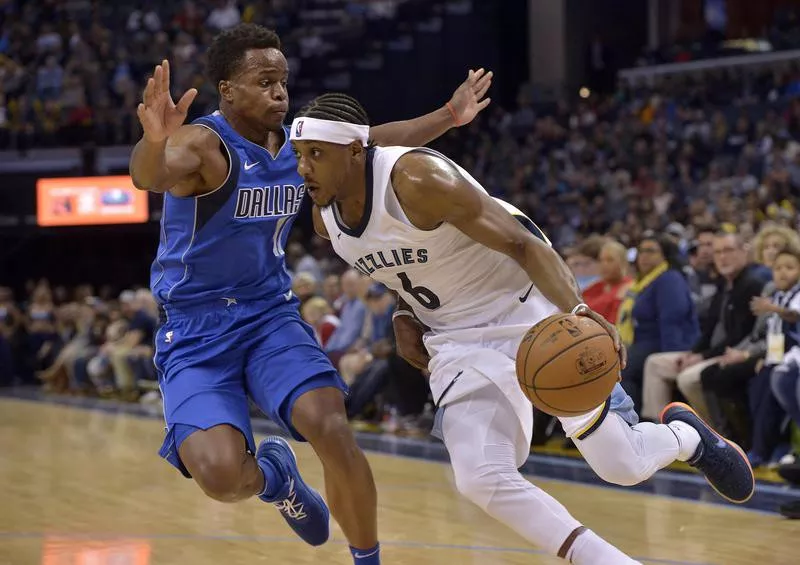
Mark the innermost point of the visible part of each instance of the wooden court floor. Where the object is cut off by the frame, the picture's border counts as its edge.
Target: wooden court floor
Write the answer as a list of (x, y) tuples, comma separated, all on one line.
[(87, 488)]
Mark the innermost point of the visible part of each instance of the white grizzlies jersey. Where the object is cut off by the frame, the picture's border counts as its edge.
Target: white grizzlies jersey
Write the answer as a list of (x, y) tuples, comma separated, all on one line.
[(450, 281)]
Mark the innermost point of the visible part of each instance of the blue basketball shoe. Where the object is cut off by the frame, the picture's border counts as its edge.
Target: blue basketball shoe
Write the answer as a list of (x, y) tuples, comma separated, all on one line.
[(723, 462), (301, 506)]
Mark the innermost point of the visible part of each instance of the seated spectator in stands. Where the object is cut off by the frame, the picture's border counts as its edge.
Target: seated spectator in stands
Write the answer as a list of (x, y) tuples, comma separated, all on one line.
[(300, 261), (43, 339), (304, 286), (83, 383), (583, 261), (135, 347), (725, 383), (332, 293), (98, 367), (700, 273), (11, 321), (771, 239), (730, 320), (605, 295), (352, 317), (60, 375), (773, 392), (378, 359), (319, 315), (373, 343), (657, 313)]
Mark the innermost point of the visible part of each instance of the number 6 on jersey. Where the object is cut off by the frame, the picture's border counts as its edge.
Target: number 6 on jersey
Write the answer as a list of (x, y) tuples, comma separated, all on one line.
[(421, 294)]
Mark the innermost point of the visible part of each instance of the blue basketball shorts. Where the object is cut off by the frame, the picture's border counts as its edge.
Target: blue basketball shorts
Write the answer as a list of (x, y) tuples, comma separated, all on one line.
[(211, 359)]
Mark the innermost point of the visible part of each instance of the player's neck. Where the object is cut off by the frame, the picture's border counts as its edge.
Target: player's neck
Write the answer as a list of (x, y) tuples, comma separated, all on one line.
[(272, 141), (352, 206)]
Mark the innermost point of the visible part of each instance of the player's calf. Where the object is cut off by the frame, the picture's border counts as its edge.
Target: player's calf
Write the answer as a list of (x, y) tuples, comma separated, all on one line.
[(319, 416)]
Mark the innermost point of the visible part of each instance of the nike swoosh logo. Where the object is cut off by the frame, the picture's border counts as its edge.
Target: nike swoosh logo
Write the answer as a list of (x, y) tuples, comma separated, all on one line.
[(248, 166), (526, 295), (447, 389), (288, 295), (358, 555)]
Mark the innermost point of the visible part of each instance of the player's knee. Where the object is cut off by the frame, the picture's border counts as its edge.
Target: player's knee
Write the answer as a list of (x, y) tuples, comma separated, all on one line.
[(217, 468), (477, 482), (321, 419), (626, 473), (329, 432), (219, 476)]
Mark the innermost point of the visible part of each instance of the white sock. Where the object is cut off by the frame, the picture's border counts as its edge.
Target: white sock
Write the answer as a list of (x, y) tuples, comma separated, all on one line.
[(590, 549), (688, 439)]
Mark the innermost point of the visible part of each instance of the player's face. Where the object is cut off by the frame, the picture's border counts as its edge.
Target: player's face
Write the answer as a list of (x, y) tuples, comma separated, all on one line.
[(325, 168), (258, 90)]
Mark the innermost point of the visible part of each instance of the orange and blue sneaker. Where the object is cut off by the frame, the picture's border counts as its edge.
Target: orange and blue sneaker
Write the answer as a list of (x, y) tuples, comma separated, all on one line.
[(723, 462), (300, 505)]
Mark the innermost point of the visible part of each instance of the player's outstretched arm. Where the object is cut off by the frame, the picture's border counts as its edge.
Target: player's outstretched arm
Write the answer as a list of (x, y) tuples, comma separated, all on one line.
[(168, 152), (466, 103), (432, 191)]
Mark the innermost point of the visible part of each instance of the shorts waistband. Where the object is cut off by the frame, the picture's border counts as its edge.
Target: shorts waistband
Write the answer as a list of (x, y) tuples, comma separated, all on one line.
[(225, 304)]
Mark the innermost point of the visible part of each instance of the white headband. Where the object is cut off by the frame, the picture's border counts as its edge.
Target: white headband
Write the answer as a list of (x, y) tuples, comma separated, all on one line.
[(313, 129)]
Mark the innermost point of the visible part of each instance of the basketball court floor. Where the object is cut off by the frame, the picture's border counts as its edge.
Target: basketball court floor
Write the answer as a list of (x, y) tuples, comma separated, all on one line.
[(83, 485)]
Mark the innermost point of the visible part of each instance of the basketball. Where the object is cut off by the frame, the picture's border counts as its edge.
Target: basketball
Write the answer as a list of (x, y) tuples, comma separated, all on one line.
[(567, 365)]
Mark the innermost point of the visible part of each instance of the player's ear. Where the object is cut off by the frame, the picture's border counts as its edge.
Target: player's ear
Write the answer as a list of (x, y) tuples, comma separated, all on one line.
[(226, 90), (356, 150)]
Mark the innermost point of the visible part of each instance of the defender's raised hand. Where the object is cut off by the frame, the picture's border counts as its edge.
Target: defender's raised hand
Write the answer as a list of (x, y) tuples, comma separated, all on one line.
[(159, 115)]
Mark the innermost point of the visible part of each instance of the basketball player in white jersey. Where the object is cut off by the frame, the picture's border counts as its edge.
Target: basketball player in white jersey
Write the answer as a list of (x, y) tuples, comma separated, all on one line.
[(477, 280)]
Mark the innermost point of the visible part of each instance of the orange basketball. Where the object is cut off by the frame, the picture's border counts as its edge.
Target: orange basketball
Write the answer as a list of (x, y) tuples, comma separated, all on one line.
[(567, 365)]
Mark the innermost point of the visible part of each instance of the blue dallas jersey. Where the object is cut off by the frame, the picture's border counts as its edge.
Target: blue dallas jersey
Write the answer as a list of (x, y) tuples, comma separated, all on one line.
[(230, 243)]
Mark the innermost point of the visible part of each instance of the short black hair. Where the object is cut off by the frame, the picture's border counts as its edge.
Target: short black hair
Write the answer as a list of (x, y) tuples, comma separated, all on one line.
[(228, 48), (335, 107)]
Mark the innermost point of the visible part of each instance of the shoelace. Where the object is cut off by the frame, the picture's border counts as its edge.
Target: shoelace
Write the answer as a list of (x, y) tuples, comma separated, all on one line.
[(289, 506)]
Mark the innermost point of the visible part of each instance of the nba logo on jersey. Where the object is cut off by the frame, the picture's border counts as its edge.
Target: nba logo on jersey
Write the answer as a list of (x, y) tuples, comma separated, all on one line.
[(298, 130)]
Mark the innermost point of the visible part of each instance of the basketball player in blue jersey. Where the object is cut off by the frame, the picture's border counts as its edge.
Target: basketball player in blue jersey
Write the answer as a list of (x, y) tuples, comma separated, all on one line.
[(230, 326), (472, 281)]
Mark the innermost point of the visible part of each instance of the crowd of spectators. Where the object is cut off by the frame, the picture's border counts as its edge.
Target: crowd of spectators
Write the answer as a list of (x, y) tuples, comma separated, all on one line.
[(674, 203), (72, 71)]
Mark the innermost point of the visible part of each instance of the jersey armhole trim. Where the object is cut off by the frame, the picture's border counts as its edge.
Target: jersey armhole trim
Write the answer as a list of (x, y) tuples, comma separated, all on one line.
[(230, 159)]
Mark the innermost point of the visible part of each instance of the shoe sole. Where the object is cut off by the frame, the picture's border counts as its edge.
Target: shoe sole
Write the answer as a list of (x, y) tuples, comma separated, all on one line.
[(726, 440)]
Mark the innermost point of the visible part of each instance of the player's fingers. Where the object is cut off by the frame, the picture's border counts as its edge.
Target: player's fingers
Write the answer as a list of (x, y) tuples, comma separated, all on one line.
[(165, 76), (483, 85), (483, 103), (186, 100), (476, 75), (158, 78), (148, 95)]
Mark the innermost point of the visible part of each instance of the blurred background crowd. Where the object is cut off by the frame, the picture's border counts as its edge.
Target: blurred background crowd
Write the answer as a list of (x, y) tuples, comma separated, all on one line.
[(673, 197)]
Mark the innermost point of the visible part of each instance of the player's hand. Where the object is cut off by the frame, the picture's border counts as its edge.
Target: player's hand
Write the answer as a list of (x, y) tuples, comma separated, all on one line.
[(468, 99), (612, 331), (408, 332), (158, 113)]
